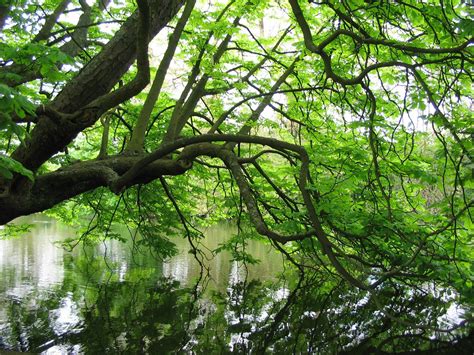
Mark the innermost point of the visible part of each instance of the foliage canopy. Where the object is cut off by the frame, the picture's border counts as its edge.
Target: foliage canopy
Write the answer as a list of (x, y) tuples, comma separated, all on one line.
[(340, 130)]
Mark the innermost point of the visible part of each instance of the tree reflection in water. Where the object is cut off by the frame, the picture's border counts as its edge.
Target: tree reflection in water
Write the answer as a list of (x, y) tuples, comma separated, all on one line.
[(95, 310)]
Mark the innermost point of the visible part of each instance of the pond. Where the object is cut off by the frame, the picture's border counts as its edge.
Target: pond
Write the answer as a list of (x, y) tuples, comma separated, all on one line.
[(56, 301), (113, 297)]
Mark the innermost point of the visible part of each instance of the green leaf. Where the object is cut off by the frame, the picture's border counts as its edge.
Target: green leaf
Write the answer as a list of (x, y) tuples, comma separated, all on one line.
[(5, 172), (9, 165)]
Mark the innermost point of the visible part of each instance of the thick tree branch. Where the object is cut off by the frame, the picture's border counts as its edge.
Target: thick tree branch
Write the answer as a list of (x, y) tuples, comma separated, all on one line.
[(94, 81), (52, 188), (392, 44)]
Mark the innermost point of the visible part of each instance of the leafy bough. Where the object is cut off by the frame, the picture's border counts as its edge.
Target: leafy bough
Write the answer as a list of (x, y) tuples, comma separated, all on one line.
[(201, 146)]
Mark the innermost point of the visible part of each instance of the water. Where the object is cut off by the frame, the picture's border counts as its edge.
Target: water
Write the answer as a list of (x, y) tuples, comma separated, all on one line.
[(115, 298), (54, 301)]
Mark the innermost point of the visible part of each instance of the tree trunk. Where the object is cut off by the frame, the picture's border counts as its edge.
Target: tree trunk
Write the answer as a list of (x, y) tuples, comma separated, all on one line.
[(103, 72)]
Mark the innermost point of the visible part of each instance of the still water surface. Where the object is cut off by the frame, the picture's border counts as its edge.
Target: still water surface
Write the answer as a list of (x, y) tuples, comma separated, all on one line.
[(116, 298), (97, 298)]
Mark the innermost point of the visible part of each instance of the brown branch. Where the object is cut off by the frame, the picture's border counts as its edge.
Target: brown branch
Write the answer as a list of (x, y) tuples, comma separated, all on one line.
[(247, 160), (169, 148), (328, 68), (52, 188), (392, 44), (232, 163), (374, 150), (51, 20), (107, 101), (4, 11), (105, 120), (285, 198)]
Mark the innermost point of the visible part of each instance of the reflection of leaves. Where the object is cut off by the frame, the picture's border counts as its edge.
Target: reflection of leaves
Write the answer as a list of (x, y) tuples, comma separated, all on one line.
[(236, 246), (150, 318), (141, 312)]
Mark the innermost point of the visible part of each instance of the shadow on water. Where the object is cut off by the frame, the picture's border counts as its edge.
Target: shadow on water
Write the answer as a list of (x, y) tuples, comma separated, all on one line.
[(115, 298)]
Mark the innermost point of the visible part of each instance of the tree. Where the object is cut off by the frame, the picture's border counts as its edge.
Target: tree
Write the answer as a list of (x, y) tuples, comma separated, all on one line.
[(342, 132)]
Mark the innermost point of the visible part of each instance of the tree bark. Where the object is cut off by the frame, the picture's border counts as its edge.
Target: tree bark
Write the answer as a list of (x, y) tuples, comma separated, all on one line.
[(4, 11), (51, 21), (50, 189), (103, 72)]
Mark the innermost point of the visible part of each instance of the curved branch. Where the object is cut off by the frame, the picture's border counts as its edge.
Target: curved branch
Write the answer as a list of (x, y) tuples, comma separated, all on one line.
[(392, 44), (319, 49), (52, 188), (231, 161)]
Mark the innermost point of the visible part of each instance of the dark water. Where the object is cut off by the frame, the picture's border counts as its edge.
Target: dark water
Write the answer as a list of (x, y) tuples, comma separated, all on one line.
[(118, 298), (112, 297)]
